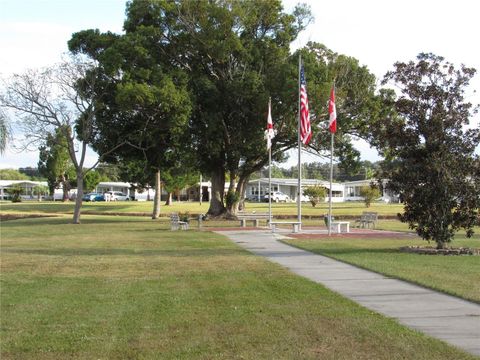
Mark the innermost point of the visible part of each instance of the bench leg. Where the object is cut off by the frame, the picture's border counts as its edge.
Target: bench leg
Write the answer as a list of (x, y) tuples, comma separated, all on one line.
[(295, 228), (348, 228), (243, 222), (273, 227), (256, 222)]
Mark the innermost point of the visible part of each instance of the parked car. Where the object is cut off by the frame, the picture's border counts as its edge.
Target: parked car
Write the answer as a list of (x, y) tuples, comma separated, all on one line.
[(252, 197), (277, 196), (93, 197), (117, 196)]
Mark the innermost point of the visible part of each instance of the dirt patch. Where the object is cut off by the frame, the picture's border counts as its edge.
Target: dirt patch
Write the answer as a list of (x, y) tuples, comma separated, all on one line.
[(6, 217), (427, 250)]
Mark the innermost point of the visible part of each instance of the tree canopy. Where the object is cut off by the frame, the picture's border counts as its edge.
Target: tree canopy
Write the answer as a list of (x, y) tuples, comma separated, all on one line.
[(195, 77)]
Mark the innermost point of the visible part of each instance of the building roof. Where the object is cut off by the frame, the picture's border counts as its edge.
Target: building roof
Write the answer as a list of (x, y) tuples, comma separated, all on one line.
[(294, 182), (7, 183)]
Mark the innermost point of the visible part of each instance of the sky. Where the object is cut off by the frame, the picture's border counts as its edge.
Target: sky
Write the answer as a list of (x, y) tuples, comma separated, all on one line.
[(34, 33)]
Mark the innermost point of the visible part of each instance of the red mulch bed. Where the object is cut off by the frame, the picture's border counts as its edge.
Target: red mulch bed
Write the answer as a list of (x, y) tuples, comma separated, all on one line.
[(232, 228), (356, 234)]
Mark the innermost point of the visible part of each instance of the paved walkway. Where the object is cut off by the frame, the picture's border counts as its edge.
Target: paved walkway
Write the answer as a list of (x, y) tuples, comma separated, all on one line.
[(444, 317)]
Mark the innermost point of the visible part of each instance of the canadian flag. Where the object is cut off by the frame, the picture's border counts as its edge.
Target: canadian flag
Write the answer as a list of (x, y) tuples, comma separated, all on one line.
[(332, 125)]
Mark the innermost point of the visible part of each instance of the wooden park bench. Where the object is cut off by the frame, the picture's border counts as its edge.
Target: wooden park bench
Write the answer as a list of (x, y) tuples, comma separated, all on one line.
[(367, 218), (176, 223), (295, 225), (253, 217)]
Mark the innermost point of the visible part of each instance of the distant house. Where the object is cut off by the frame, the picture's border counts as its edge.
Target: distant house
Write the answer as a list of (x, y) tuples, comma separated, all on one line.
[(28, 189), (347, 191), (255, 190)]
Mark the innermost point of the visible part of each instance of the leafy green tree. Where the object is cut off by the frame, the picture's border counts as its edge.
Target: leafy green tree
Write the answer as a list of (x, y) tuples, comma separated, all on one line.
[(431, 161), (355, 101), (369, 193), (142, 91), (40, 190), (239, 58), (15, 191), (109, 172), (277, 172), (55, 162), (231, 56), (11, 174), (32, 172), (91, 180), (176, 179), (316, 194)]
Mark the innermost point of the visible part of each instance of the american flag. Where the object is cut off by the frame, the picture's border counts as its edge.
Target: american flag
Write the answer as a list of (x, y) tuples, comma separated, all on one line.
[(305, 129)]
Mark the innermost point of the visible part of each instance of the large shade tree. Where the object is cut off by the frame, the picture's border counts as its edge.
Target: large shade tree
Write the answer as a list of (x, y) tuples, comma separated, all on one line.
[(144, 98), (429, 148), (234, 56), (356, 103)]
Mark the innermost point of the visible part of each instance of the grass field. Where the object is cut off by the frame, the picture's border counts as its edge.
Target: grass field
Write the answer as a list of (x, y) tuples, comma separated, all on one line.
[(279, 209), (456, 275), (127, 288)]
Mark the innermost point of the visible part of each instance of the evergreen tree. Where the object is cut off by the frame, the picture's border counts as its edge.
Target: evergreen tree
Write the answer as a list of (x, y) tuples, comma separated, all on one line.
[(430, 154)]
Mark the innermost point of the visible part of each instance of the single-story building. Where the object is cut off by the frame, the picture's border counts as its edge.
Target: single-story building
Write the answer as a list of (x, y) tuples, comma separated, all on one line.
[(255, 190), (347, 191)]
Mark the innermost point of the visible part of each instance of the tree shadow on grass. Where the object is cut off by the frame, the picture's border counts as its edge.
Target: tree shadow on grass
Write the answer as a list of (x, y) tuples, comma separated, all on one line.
[(67, 220), (127, 252)]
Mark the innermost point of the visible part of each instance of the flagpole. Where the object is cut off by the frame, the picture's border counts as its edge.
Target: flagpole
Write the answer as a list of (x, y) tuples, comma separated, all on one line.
[(269, 173), (330, 193), (299, 203), (332, 133)]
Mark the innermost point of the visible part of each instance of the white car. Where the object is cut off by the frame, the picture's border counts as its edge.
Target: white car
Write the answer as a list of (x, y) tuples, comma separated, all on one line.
[(117, 196), (277, 196)]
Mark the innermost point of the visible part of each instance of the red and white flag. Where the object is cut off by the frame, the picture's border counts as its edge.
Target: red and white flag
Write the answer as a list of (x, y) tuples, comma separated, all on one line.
[(332, 124), (305, 128), (269, 133)]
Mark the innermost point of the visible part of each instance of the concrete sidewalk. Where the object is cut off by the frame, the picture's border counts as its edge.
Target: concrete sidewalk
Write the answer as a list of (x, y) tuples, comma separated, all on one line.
[(444, 317)]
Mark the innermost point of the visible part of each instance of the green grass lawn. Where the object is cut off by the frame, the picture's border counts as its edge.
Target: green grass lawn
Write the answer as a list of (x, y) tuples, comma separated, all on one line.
[(143, 207), (456, 275), (127, 288)]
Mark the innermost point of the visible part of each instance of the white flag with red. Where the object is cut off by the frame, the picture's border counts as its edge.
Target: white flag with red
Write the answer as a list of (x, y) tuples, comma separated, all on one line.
[(332, 124), (269, 133)]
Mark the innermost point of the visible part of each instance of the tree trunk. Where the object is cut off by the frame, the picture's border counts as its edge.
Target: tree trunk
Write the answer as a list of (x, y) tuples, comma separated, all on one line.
[(241, 190), (65, 188), (158, 194), (79, 198), (169, 199), (218, 191), (240, 193)]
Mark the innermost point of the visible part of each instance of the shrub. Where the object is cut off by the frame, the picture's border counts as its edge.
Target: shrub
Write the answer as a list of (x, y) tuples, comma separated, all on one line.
[(369, 193), (315, 193)]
